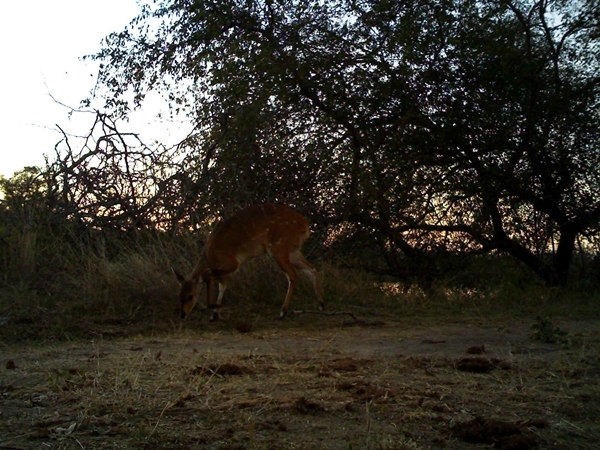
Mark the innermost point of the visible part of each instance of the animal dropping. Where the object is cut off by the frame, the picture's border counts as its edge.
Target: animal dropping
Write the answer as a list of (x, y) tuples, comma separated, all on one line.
[(252, 232)]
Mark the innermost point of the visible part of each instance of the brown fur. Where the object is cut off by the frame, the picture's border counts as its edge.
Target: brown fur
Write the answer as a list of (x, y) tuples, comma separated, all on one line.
[(252, 232)]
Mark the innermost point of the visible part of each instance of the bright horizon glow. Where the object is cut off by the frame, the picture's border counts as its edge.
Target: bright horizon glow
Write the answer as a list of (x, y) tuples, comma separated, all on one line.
[(42, 43)]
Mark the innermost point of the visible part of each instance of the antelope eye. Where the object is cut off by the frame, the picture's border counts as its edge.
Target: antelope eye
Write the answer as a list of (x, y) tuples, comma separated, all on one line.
[(190, 298)]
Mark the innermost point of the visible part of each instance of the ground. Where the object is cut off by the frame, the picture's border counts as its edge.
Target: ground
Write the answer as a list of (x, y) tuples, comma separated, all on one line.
[(312, 382)]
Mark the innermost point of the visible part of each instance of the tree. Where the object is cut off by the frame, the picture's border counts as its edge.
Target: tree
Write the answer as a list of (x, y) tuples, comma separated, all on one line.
[(442, 125)]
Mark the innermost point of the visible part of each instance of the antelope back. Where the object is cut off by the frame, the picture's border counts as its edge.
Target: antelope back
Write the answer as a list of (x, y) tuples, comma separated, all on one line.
[(254, 230)]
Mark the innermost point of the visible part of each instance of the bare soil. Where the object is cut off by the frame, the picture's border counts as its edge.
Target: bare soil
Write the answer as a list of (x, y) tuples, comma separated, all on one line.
[(313, 385)]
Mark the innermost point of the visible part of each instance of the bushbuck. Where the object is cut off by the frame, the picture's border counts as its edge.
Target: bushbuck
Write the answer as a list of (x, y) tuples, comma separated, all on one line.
[(256, 230)]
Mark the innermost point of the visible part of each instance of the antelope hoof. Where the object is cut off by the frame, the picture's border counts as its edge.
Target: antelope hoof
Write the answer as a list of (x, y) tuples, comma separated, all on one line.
[(215, 316), (282, 314)]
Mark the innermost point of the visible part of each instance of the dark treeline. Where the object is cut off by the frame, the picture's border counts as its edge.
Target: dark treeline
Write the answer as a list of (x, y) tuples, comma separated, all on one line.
[(419, 131)]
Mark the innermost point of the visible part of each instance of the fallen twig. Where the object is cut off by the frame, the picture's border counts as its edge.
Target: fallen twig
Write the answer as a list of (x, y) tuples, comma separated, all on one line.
[(356, 320)]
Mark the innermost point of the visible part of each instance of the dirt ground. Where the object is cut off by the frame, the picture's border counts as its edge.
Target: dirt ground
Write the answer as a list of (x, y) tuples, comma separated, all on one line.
[(314, 385)]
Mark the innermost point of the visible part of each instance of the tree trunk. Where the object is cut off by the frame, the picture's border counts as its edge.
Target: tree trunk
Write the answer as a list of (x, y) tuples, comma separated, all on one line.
[(505, 243), (564, 253)]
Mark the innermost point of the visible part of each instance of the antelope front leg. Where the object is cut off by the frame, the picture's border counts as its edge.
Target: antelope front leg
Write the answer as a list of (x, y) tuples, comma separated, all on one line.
[(290, 291), (222, 287)]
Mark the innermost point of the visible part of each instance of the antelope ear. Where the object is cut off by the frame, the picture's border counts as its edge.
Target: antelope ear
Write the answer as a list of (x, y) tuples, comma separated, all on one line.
[(179, 277)]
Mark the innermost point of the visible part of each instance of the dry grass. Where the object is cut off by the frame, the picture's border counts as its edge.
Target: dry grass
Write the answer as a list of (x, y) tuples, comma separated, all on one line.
[(90, 295), (93, 356), (305, 388)]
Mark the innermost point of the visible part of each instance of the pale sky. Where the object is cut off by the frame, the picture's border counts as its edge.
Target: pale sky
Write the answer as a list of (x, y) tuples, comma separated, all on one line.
[(41, 42)]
